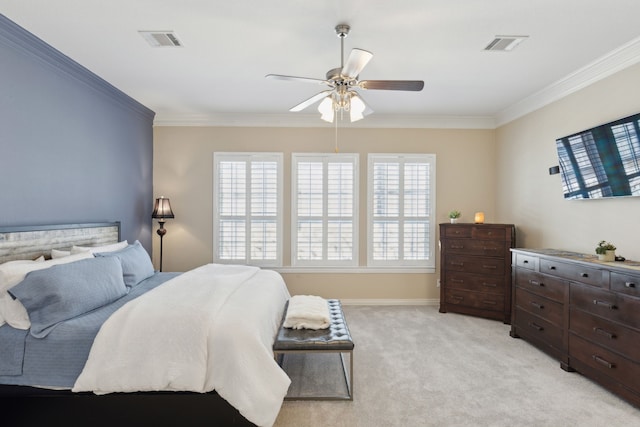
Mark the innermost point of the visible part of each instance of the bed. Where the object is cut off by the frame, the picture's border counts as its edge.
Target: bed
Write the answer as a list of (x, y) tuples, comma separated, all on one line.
[(95, 336)]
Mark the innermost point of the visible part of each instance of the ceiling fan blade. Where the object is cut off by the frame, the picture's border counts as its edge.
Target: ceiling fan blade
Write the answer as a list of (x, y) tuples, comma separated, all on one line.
[(413, 85), (295, 78), (315, 98), (357, 60)]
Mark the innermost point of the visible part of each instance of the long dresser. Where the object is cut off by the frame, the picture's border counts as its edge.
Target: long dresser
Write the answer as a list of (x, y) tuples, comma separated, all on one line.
[(475, 269), (583, 312)]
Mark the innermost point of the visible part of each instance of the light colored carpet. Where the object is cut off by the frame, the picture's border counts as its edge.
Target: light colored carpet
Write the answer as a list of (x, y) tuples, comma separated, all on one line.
[(414, 366)]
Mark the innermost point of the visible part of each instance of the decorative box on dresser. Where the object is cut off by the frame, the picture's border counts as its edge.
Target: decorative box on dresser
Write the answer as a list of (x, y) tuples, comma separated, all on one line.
[(584, 312), (475, 269)]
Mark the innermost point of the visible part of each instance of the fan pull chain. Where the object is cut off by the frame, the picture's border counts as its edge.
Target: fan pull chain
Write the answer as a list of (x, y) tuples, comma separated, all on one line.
[(336, 134)]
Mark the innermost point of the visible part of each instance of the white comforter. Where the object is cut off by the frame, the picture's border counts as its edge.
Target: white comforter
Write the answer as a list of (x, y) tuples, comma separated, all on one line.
[(210, 328)]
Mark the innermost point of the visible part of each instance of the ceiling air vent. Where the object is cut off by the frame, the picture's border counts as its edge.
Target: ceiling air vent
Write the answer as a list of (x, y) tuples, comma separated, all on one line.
[(161, 38), (505, 43)]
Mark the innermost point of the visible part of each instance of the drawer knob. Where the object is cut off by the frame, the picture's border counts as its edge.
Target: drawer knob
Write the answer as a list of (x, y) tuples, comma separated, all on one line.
[(489, 285), (537, 305), (526, 261), (629, 285), (552, 267), (603, 362), (584, 275), (459, 264), (604, 304), (601, 331), (489, 267), (536, 327), (535, 283), (457, 247)]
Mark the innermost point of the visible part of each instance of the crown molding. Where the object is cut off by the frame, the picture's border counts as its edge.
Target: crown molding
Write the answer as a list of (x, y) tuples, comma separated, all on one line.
[(16, 37), (312, 120), (605, 66)]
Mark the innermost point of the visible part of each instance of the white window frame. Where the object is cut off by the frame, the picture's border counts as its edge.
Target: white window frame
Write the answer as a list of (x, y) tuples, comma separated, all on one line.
[(402, 159), (325, 159), (248, 158)]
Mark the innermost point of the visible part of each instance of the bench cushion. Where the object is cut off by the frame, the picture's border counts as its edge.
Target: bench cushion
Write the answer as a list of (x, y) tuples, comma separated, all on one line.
[(334, 338)]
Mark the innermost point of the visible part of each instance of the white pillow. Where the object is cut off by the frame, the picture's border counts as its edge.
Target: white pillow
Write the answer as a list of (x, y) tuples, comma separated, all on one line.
[(8, 264), (13, 312), (14, 272), (55, 253), (93, 249)]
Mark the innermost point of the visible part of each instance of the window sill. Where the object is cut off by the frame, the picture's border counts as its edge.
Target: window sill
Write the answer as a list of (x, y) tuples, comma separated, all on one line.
[(357, 270)]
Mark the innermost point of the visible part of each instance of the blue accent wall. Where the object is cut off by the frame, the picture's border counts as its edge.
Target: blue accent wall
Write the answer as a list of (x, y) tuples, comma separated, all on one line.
[(73, 148)]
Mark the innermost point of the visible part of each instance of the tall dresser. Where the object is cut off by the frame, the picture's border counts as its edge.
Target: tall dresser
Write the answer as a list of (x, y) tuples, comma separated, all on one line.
[(475, 269), (584, 312)]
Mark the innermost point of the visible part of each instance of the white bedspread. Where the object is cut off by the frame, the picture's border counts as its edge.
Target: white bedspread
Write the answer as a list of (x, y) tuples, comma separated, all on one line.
[(210, 328)]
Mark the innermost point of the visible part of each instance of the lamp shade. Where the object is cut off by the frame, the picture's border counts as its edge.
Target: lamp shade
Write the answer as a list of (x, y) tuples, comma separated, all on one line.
[(162, 209), (326, 109)]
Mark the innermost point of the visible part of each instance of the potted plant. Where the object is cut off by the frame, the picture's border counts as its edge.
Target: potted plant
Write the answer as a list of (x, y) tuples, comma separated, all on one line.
[(453, 216), (606, 251)]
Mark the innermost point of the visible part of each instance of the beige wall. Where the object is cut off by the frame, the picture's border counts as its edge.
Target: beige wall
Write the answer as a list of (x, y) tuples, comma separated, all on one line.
[(466, 180), (532, 199)]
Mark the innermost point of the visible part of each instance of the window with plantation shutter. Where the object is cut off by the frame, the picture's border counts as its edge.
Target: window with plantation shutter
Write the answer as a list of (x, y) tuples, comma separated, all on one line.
[(401, 203), (324, 210), (247, 210)]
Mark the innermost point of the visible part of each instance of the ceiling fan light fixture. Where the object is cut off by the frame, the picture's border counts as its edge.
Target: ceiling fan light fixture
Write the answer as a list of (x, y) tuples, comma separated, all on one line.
[(326, 109), (357, 107)]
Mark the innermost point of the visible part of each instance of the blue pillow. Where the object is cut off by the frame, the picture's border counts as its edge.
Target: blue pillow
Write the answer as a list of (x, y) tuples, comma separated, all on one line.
[(65, 291), (136, 263)]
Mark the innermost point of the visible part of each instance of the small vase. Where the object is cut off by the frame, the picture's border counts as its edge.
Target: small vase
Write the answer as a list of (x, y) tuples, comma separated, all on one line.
[(609, 256), (453, 220)]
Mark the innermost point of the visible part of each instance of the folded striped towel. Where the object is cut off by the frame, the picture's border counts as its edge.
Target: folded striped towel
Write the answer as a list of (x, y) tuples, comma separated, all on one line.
[(307, 312)]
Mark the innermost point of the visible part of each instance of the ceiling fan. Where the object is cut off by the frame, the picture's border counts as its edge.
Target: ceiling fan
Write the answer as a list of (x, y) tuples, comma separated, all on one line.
[(342, 82)]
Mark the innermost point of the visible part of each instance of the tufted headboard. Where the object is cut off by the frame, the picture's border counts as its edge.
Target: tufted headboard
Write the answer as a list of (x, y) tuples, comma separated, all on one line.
[(30, 242)]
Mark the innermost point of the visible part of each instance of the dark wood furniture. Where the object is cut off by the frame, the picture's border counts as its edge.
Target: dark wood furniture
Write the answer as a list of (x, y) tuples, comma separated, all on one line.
[(583, 312), (475, 269)]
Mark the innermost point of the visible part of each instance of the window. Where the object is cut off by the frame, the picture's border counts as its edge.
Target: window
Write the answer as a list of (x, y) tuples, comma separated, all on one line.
[(247, 208), (324, 214), (401, 203)]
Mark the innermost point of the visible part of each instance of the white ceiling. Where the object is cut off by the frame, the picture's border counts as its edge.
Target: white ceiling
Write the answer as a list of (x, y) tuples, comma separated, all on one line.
[(218, 78)]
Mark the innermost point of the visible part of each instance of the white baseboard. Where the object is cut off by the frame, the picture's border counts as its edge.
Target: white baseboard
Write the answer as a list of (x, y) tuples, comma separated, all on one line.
[(381, 301)]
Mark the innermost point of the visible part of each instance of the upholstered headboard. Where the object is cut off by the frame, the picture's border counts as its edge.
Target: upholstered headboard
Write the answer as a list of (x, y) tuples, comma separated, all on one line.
[(30, 242)]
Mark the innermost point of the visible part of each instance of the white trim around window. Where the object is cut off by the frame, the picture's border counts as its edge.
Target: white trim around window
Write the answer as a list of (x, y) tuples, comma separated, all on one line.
[(401, 210), (247, 208), (324, 210)]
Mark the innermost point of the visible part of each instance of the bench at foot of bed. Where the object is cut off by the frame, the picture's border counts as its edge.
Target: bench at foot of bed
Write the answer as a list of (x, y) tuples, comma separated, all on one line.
[(336, 339)]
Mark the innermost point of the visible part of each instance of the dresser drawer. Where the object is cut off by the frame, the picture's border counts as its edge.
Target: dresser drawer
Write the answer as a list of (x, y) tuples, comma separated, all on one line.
[(474, 247), (526, 261), (625, 283), (605, 361), (575, 272), (606, 333), (473, 282), (481, 300), (613, 306), (479, 265), (540, 284), (547, 309), (457, 231), (489, 233), (539, 328)]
